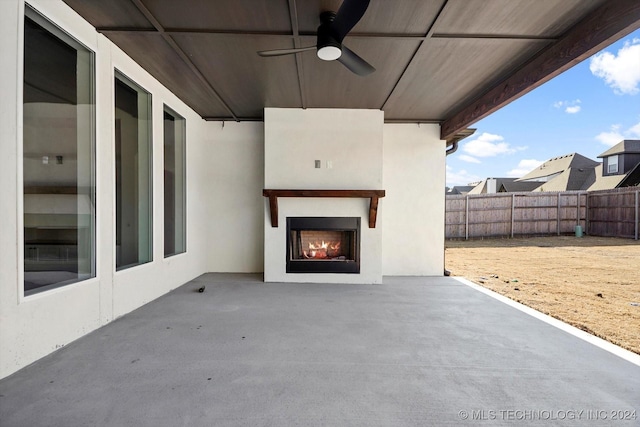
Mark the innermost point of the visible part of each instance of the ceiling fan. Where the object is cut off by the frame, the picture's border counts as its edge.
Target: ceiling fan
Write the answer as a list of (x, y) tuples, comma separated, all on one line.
[(332, 30)]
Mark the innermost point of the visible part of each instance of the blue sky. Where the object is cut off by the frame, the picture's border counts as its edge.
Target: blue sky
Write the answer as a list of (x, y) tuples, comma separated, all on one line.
[(587, 109)]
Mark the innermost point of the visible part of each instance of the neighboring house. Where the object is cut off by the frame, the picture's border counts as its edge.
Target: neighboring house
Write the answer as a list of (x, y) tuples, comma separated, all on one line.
[(632, 179), (498, 185), (620, 166), (517, 187), (571, 180), (571, 172), (459, 190), (621, 158)]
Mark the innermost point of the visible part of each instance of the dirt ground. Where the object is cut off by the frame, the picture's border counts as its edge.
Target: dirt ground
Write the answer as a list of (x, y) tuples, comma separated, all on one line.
[(592, 283)]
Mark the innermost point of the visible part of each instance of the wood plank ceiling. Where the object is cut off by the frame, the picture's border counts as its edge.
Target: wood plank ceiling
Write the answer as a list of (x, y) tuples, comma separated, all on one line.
[(446, 61)]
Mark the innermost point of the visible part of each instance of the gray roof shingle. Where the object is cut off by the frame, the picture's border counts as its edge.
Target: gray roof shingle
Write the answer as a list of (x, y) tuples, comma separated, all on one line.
[(628, 146)]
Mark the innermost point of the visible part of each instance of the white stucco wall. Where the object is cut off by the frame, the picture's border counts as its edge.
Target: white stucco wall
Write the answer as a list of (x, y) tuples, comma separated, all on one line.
[(352, 141), (235, 175), (33, 326), (10, 15), (413, 209)]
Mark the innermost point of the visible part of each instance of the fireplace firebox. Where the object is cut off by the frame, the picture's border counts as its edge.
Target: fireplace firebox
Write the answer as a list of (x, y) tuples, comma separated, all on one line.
[(323, 245)]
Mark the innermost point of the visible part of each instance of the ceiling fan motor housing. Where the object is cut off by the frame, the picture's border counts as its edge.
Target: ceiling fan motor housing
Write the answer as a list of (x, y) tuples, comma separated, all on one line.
[(329, 48)]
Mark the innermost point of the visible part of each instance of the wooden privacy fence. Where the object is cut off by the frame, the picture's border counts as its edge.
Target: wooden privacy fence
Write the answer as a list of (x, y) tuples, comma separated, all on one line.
[(599, 213), (614, 212)]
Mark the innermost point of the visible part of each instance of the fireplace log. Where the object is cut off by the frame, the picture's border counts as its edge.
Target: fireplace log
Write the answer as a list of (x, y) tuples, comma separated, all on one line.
[(372, 195)]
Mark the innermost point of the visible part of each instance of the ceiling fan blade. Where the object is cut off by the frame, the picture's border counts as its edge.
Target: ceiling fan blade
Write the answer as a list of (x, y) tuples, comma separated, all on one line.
[(347, 17), (354, 63), (280, 52)]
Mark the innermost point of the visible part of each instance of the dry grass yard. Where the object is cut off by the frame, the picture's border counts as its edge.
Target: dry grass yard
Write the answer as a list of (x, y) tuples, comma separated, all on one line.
[(592, 283)]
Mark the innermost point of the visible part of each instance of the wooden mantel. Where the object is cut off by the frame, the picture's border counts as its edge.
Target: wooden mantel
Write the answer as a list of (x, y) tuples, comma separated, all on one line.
[(372, 195)]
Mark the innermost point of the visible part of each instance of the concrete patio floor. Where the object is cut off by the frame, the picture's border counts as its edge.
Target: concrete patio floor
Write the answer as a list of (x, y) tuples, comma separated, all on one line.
[(410, 352)]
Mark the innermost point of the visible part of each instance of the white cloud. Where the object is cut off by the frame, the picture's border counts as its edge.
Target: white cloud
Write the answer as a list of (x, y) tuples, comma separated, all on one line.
[(460, 178), (622, 71), (612, 137), (524, 167), (488, 145), (570, 107), (468, 159), (616, 134)]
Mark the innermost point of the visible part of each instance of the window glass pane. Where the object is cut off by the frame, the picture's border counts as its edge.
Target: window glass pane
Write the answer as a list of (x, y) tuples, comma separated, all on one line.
[(133, 174), (175, 229), (58, 157), (613, 164)]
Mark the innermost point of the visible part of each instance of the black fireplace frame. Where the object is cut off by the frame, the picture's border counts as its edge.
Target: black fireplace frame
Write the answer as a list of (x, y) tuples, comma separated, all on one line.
[(323, 224)]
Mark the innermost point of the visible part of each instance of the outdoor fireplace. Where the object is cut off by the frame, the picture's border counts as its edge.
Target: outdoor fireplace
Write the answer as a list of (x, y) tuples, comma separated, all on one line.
[(323, 245)]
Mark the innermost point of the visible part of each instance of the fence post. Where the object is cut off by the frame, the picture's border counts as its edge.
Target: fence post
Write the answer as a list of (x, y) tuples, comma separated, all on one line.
[(586, 213), (558, 215), (466, 218), (513, 206), (636, 225)]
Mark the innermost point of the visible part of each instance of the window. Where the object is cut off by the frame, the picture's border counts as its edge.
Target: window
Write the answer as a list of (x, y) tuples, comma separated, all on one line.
[(175, 192), (133, 174), (58, 157), (612, 162)]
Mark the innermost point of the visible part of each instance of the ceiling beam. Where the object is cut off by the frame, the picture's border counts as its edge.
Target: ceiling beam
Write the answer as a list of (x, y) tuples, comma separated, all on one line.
[(428, 34), (603, 26), (293, 16), (414, 121), (493, 37), (185, 58), (261, 118), (280, 34), (229, 119)]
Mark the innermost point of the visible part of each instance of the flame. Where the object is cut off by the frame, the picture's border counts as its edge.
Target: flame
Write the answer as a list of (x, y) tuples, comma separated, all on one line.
[(322, 250), (317, 245), (324, 245)]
